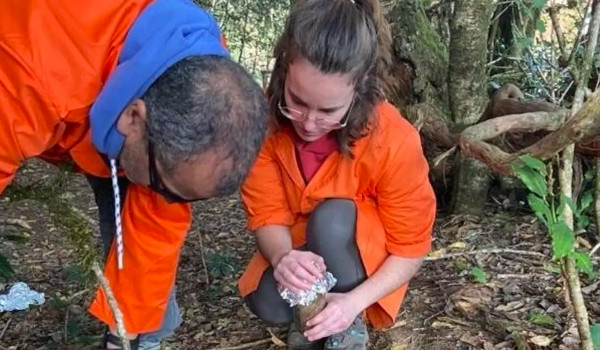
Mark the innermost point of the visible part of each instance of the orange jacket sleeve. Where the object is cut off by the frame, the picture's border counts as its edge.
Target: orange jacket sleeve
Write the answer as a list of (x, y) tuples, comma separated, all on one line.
[(153, 233), (27, 124), (406, 201), (263, 193)]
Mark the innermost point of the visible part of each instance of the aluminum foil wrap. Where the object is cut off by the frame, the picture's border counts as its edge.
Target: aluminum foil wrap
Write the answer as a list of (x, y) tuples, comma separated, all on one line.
[(306, 297), (19, 297)]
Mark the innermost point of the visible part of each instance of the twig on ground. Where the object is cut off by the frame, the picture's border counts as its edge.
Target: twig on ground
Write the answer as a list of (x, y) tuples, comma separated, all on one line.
[(203, 260), (426, 321), (91, 222), (398, 324), (5, 328), (66, 323), (75, 295), (593, 251), (507, 276), (484, 251), (112, 302), (15, 222)]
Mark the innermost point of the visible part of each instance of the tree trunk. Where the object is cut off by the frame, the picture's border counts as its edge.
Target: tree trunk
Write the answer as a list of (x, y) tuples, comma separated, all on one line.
[(421, 57), (244, 32), (566, 175), (467, 95)]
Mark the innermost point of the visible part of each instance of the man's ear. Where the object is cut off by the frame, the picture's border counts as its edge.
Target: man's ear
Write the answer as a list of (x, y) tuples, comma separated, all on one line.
[(133, 118)]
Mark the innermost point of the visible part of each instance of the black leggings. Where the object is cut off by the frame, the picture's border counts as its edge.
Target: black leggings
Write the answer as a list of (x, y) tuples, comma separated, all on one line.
[(105, 200), (330, 233)]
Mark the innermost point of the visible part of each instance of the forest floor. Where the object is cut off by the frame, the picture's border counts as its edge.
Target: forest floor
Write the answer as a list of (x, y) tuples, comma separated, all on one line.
[(518, 303)]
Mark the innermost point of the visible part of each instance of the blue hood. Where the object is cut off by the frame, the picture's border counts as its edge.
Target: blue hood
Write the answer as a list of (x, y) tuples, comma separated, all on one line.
[(164, 33)]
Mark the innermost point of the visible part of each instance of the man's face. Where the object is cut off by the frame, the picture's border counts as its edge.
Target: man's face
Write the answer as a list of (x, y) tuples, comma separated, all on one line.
[(194, 179)]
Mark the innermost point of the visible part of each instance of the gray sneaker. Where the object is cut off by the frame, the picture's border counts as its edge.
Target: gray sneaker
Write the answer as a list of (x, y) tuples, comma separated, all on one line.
[(297, 341), (355, 337)]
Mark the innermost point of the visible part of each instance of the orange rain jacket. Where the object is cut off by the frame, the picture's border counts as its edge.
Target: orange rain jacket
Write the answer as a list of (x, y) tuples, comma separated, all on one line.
[(55, 56), (387, 179)]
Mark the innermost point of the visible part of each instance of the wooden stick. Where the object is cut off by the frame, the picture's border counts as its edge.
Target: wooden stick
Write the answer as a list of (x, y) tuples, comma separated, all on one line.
[(593, 251), (566, 181), (65, 325), (112, 302), (485, 251), (511, 276), (5, 328), (204, 261), (15, 222)]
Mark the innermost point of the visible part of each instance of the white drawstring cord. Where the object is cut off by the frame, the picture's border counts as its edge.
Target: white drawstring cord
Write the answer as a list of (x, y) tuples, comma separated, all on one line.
[(119, 234)]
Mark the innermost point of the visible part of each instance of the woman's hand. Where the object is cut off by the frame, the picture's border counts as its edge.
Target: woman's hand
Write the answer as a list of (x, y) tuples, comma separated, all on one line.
[(299, 270), (336, 317)]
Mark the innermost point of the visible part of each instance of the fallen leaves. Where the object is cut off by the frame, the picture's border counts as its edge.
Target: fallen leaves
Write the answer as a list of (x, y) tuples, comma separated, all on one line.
[(472, 298), (540, 340)]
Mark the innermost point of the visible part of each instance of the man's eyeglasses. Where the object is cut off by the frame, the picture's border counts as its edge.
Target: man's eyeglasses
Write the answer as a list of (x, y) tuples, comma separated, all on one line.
[(324, 123), (156, 183)]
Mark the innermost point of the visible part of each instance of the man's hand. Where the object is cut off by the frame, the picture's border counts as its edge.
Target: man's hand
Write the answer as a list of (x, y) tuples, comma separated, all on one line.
[(337, 316), (299, 270)]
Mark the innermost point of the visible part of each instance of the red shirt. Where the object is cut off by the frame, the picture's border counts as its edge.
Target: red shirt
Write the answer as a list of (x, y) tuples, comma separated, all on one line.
[(311, 155)]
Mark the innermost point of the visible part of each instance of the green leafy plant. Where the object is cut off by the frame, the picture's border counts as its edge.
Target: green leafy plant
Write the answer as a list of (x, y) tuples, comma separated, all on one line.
[(548, 208), (6, 270), (75, 274), (542, 319), (479, 275), (595, 330), (584, 211), (221, 264)]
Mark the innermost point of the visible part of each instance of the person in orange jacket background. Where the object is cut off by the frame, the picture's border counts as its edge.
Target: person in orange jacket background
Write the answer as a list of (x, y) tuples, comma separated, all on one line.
[(341, 183), (139, 88)]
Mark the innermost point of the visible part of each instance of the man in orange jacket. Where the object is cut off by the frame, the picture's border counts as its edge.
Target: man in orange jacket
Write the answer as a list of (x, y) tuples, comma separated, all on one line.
[(139, 88)]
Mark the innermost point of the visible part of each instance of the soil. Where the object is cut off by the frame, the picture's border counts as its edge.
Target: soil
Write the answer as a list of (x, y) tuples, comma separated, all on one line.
[(516, 300)]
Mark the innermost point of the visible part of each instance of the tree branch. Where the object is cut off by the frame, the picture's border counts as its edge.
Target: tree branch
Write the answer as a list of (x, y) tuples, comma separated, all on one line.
[(112, 302), (584, 126), (581, 127), (472, 138), (560, 36), (571, 64)]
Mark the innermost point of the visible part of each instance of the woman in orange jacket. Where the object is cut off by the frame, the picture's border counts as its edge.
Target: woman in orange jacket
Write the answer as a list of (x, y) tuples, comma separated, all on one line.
[(341, 183)]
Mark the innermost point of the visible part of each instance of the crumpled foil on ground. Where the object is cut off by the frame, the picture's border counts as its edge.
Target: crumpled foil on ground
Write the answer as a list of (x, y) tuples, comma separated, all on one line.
[(306, 297), (19, 297)]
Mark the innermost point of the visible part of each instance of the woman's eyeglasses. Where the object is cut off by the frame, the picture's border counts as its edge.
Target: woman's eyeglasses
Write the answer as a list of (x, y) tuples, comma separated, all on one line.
[(324, 123)]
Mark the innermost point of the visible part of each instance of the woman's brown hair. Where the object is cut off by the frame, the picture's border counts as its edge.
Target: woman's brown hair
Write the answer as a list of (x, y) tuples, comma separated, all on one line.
[(338, 36)]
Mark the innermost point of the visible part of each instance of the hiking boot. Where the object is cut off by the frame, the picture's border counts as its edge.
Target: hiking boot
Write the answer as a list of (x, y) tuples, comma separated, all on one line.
[(297, 341), (355, 337)]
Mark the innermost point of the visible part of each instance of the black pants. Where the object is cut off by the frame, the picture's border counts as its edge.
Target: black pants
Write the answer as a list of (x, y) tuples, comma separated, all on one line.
[(330, 233), (105, 200)]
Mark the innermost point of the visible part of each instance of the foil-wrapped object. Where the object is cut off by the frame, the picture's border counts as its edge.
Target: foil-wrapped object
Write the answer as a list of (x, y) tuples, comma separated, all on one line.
[(306, 297), (19, 297)]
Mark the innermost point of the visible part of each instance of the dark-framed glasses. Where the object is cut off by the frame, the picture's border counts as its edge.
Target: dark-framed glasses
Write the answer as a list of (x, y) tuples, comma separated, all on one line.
[(156, 183)]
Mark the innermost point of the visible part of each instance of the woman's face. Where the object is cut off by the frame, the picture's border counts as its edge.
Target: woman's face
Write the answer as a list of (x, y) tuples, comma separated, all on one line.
[(317, 101)]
